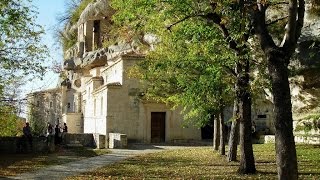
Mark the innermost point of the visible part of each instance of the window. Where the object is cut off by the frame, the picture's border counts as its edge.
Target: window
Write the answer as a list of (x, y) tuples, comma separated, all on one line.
[(94, 107), (69, 105), (263, 116), (51, 104), (101, 109)]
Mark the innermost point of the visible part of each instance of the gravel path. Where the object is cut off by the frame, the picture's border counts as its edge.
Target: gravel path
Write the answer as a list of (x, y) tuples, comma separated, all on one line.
[(89, 164)]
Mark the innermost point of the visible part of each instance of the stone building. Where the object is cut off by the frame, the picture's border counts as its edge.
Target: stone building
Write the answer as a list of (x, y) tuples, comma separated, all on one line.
[(98, 97), (44, 107)]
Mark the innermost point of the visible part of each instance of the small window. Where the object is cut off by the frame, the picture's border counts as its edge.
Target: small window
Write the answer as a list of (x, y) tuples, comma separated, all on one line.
[(69, 105), (94, 107), (51, 104), (101, 110), (262, 116)]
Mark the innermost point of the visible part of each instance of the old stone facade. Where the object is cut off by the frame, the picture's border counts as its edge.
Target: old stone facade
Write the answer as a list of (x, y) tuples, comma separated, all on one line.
[(98, 96), (45, 107)]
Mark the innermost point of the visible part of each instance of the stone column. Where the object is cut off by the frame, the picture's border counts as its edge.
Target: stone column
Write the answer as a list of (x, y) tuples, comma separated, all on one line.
[(88, 33), (63, 98), (78, 102)]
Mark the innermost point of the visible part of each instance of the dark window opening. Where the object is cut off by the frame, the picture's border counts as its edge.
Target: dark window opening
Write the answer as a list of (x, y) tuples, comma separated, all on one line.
[(262, 116), (96, 34)]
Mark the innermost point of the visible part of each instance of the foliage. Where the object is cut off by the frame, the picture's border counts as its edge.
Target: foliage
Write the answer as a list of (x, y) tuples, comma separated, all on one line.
[(311, 122), (75, 15), (21, 50), (186, 69), (191, 64), (21, 54), (10, 123), (68, 41), (37, 124), (185, 163), (67, 37)]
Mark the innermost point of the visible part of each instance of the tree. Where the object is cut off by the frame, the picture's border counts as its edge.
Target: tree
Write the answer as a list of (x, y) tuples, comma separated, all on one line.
[(21, 52), (10, 124), (278, 57), (234, 133), (37, 124), (10, 108), (227, 24)]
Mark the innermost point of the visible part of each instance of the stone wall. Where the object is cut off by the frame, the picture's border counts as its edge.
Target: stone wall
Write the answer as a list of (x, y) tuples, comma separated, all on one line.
[(21, 145), (74, 122), (304, 139), (40, 144), (118, 141), (86, 140)]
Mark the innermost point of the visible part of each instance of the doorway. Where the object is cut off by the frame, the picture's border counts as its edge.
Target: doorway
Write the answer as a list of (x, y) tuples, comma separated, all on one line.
[(207, 132), (158, 127)]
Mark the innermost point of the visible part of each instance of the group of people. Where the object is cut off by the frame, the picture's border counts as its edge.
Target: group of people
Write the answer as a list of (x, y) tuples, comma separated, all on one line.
[(58, 132)]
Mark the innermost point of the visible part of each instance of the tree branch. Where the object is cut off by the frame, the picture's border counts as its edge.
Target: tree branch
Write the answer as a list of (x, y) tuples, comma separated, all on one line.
[(277, 20), (216, 19), (260, 28), (230, 70), (299, 25), (277, 3), (181, 20), (290, 32)]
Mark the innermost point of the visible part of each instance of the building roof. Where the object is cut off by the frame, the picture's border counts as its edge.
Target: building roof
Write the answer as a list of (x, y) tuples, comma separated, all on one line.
[(52, 90)]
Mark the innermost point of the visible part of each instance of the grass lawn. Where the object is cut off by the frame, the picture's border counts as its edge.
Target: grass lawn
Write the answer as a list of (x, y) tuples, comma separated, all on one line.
[(13, 164), (204, 163)]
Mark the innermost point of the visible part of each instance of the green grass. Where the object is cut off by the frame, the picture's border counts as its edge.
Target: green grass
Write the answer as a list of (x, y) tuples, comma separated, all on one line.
[(204, 163), (13, 164)]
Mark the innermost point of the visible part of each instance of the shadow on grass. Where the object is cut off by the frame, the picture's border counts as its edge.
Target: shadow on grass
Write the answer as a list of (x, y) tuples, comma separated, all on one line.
[(12, 164), (144, 146), (4, 178)]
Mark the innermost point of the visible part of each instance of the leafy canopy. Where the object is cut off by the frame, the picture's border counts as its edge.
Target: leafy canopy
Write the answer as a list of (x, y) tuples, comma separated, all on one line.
[(21, 53), (191, 62)]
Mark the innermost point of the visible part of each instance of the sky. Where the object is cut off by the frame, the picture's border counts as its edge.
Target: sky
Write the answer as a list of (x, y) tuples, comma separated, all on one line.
[(48, 11)]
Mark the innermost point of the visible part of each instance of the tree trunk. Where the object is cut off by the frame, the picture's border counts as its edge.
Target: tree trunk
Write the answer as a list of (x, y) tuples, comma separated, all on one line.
[(216, 133), (234, 134), (222, 134), (247, 165), (285, 145)]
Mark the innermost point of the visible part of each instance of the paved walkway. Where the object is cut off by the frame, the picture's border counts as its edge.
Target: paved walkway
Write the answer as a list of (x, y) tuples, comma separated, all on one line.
[(89, 164)]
